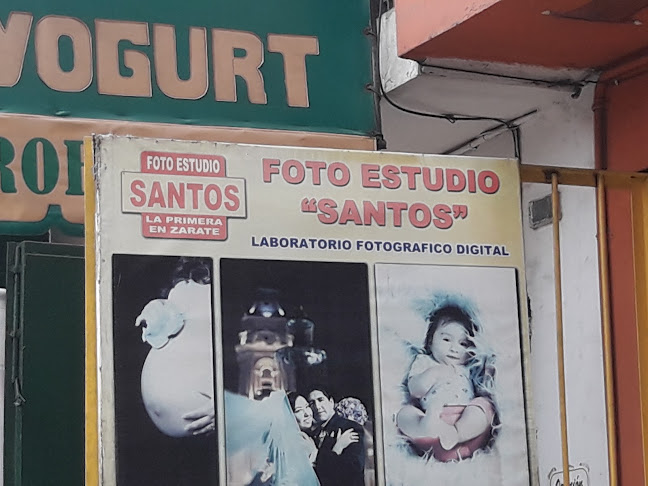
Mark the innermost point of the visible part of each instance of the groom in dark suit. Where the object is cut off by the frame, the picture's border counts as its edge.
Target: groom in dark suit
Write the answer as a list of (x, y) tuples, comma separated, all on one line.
[(340, 442)]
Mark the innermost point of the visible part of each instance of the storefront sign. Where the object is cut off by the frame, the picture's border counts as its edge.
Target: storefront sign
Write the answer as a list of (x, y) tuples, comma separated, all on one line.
[(226, 66), (273, 315), (41, 163), (295, 65)]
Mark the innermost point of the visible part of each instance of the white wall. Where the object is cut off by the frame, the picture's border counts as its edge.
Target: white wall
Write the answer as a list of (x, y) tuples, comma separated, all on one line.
[(561, 134)]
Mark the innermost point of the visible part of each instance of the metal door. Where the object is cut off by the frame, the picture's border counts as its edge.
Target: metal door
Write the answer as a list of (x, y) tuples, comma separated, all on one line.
[(44, 363)]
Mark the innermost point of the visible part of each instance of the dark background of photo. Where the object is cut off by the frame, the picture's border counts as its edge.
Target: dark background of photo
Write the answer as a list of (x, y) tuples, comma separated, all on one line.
[(335, 296), (145, 456)]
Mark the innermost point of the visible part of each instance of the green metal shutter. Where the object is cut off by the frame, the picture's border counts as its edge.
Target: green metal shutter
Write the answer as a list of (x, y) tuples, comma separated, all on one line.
[(44, 373)]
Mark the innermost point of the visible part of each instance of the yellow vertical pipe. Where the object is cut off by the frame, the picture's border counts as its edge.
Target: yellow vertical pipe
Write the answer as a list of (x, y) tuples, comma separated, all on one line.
[(91, 397), (555, 207), (606, 329), (639, 192)]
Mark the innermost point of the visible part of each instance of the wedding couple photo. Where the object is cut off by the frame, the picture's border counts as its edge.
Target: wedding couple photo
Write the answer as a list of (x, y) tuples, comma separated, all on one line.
[(297, 363)]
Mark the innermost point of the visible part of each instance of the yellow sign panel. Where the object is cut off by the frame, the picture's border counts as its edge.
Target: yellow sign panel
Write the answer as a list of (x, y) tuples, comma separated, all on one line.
[(276, 315)]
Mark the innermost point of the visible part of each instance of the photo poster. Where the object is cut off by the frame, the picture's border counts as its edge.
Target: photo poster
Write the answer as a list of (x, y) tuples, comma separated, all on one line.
[(297, 316)]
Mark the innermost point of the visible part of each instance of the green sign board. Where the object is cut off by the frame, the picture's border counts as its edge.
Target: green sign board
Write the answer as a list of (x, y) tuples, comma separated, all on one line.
[(281, 64), (279, 72)]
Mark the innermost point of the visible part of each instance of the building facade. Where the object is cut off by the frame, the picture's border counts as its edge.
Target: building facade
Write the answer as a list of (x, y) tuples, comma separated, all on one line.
[(559, 84)]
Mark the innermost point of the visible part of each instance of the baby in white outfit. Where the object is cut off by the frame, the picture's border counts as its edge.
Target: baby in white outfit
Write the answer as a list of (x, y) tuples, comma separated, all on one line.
[(453, 388), (441, 378)]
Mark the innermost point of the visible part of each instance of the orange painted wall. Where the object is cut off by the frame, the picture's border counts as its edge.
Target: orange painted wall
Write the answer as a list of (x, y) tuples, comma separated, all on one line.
[(514, 31), (627, 150), (420, 20), (627, 110), (626, 365)]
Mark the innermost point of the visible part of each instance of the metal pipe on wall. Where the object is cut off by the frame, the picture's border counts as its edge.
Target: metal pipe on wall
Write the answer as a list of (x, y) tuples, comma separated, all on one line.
[(606, 328), (555, 208)]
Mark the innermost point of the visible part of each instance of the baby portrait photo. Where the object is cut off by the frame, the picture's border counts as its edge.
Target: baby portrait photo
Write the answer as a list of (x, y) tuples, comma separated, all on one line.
[(452, 392)]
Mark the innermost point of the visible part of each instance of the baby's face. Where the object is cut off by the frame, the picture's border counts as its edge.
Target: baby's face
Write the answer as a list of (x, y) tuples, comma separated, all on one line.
[(451, 344)]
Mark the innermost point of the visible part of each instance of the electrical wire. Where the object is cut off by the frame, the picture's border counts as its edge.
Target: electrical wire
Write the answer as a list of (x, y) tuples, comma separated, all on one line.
[(449, 117), (494, 132), (576, 86)]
